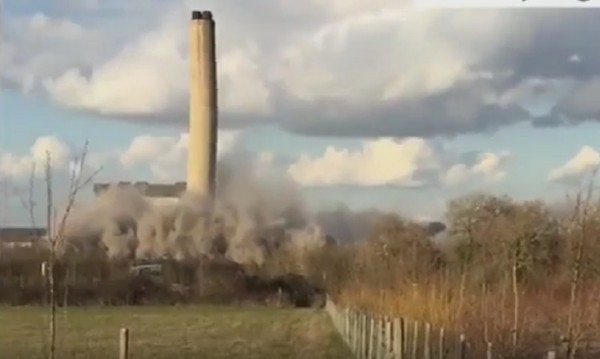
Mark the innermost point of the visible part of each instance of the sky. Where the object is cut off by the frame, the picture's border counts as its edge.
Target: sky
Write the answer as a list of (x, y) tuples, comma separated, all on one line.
[(366, 104)]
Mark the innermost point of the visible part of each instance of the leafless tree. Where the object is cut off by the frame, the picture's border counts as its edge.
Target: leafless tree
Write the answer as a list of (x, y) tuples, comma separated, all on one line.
[(56, 234), (582, 252)]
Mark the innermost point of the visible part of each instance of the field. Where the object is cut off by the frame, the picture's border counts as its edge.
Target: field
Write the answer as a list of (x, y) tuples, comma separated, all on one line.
[(172, 332)]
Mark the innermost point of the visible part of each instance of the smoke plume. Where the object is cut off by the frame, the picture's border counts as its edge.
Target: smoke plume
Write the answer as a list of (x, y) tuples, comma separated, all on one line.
[(253, 216)]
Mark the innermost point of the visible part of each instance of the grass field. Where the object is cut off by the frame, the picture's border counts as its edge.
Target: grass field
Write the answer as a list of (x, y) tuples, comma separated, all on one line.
[(201, 332)]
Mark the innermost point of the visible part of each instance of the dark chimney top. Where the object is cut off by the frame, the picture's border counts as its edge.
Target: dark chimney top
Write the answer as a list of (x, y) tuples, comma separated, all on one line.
[(202, 15), (196, 15)]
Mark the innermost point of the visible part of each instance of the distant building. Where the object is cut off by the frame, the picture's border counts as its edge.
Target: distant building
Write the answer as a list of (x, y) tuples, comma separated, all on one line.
[(21, 237), (146, 189)]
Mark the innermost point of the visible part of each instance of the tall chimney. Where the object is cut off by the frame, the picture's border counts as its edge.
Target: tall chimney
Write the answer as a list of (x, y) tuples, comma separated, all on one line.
[(203, 106)]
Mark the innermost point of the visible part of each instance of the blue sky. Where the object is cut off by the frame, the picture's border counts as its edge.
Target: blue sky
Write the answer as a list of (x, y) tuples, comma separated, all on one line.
[(448, 116)]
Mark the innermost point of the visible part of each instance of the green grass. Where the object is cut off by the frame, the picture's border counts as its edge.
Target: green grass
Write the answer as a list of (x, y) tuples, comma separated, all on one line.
[(203, 332)]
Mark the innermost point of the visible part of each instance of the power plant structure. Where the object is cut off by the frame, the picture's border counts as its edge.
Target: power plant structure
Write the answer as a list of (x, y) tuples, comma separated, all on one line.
[(203, 106), (203, 120)]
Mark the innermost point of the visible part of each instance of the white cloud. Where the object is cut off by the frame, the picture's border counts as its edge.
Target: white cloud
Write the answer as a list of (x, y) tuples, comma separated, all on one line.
[(584, 162), (146, 77), (409, 54), (147, 149), (488, 166), (50, 146), (37, 46), (574, 59), (227, 140), (387, 161), (267, 71), (18, 166), (381, 162), (57, 28), (166, 155), (339, 8), (240, 73), (344, 67), (149, 77)]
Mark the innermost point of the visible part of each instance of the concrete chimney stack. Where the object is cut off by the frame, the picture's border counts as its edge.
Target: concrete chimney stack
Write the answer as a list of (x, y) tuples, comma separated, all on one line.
[(203, 106)]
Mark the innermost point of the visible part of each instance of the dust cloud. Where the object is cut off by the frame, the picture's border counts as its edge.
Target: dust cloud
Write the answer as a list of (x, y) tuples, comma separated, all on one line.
[(253, 216)]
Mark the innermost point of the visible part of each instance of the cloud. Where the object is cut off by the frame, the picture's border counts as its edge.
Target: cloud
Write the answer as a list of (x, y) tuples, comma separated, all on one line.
[(488, 166), (20, 166), (166, 156), (133, 82), (574, 58), (580, 102), (336, 68), (146, 149), (37, 46), (148, 78), (409, 162), (584, 162), (381, 162)]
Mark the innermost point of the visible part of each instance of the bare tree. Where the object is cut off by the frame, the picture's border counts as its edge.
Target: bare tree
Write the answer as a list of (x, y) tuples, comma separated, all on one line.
[(52, 256), (56, 235), (474, 222), (582, 251), (31, 202)]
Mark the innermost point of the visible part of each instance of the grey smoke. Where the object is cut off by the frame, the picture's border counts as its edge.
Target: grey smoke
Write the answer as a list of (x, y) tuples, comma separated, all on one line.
[(346, 225), (254, 216)]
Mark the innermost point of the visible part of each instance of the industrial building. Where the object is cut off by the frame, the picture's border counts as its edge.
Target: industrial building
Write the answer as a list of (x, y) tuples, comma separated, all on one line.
[(145, 188), (21, 237)]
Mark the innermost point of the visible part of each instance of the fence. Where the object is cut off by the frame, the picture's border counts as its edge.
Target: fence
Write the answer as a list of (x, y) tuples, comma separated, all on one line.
[(370, 337)]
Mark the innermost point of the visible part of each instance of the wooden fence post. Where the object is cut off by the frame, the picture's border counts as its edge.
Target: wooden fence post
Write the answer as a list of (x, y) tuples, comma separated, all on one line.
[(398, 338), (415, 340), (379, 348), (367, 335), (349, 330), (355, 332), (347, 325), (426, 342), (371, 352), (441, 345), (388, 337), (359, 330), (342, 315), (124, 343), (359, 334), (462, 350), (382, 338), (408, 334), (363, 335)]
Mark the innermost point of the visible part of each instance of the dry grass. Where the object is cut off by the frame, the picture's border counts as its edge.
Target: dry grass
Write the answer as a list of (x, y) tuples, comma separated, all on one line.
[(543, 316), (173, 332)]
